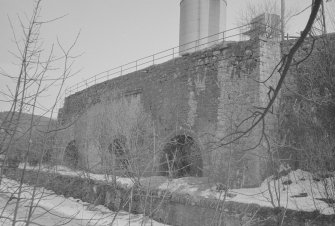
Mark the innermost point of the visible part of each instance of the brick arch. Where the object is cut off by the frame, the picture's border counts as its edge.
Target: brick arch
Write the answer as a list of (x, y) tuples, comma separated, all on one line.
[(181, 157)]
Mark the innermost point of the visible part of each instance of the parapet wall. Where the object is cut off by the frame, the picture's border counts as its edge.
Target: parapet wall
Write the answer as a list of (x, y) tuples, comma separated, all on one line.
[(203, 95)]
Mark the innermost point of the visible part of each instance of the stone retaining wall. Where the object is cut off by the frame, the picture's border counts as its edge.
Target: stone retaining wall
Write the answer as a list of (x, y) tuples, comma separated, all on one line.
[(171, 208)]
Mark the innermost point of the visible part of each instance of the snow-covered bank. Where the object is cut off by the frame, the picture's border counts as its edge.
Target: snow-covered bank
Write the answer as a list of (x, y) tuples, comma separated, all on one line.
[(73, 208), (63, 170), (298, 190)]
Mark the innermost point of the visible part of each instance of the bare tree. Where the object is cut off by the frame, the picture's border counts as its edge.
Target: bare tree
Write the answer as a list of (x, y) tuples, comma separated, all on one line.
[(37, 73), (263, 18), (133, 131)]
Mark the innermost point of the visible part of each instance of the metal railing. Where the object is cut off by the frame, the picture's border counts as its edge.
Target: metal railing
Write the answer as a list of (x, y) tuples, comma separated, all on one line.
[(162, 56), (156, 58)]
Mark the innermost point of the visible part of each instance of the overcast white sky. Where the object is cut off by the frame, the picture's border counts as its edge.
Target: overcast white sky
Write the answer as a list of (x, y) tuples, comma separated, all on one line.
[(113, 32)]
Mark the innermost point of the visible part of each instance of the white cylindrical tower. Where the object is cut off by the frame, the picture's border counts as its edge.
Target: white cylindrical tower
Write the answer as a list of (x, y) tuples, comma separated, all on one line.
[(200, 19)]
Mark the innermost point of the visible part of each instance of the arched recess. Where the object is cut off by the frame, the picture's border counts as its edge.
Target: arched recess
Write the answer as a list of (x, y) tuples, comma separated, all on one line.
[(181, 157), (118, 149), (71, 154)]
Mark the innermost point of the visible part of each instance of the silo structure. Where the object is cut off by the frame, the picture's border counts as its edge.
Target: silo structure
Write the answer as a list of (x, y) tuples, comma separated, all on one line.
[(198, 20)]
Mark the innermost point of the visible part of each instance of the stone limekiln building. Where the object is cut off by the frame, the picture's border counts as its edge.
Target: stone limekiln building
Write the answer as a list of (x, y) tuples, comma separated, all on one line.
[(179, 109), (173, 118)]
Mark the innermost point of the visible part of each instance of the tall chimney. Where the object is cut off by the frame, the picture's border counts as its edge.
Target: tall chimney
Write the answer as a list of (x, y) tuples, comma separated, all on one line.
[(198, 20)]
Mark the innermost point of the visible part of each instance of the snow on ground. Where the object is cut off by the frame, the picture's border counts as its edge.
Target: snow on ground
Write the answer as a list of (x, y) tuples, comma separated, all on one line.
[(63, 170), (298, 190), (74, 208)]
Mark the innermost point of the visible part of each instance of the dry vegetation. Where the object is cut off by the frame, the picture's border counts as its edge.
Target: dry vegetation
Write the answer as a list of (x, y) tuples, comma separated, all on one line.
[(129, 146)]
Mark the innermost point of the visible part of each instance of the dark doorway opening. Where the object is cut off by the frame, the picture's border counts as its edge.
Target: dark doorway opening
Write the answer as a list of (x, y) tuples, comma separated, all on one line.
[(71, 154), (181, 158)]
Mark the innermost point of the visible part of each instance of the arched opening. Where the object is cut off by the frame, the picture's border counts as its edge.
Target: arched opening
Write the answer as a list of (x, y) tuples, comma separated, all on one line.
[(71, 154), (181, 157), (118, 149)]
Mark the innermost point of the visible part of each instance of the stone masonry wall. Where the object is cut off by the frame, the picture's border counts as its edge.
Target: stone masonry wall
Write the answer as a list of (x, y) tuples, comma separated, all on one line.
[(204, 95)]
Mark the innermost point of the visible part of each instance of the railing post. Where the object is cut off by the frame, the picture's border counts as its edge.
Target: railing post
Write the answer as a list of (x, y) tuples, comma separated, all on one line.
[(121, 70), (172, 53), (136, 65), (153, 59)]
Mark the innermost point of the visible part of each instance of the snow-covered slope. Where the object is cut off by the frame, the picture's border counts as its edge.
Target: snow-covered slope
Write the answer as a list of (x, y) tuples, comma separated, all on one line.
[(71, 208), (298, 190)]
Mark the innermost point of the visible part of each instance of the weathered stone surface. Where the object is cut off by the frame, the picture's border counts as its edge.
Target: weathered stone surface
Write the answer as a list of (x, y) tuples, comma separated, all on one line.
[(204, 95)]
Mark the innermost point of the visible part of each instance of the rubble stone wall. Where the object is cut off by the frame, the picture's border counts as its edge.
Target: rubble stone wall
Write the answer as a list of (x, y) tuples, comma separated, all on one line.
[(204, 95)]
